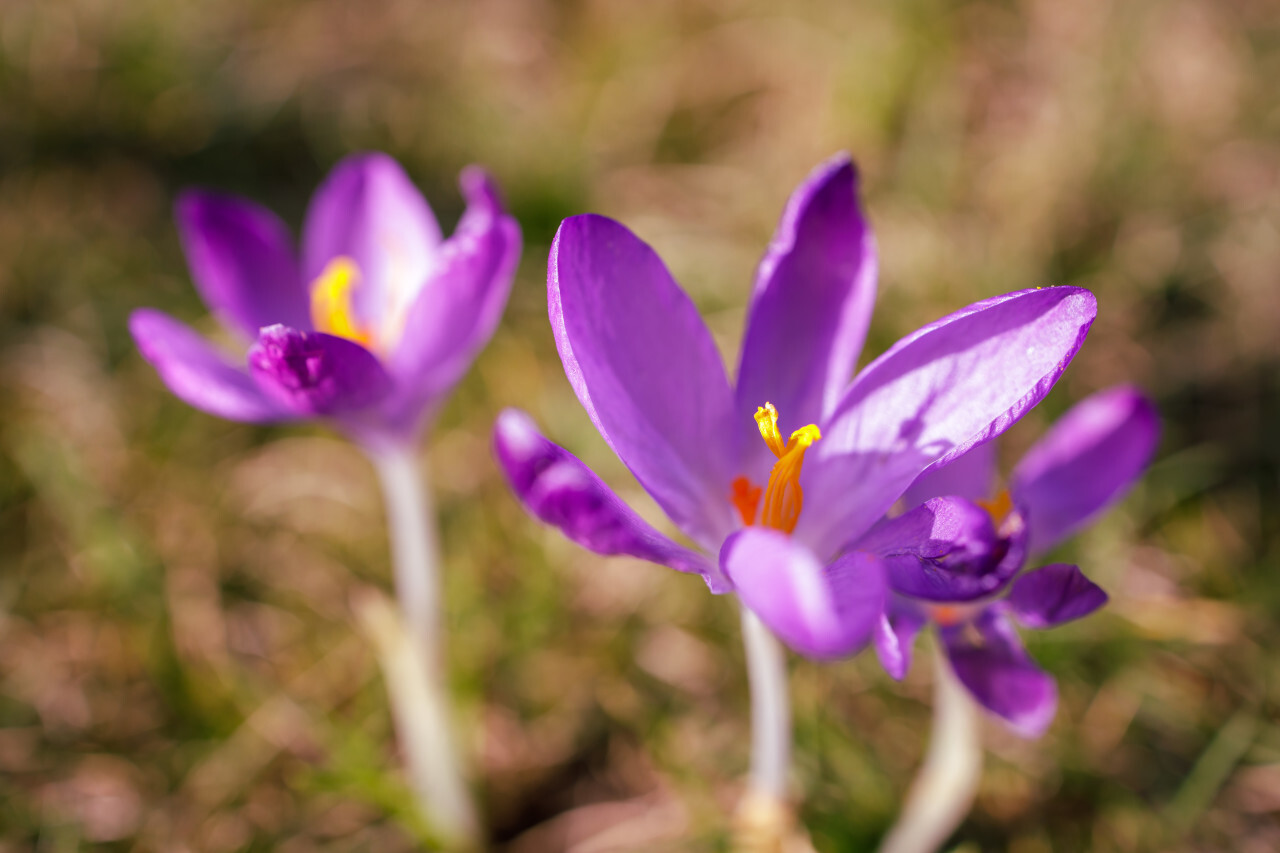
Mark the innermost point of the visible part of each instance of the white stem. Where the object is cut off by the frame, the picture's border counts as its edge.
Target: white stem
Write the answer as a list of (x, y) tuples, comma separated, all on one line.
[(411, 652), (944, 790), (415, 554), (770, 709)]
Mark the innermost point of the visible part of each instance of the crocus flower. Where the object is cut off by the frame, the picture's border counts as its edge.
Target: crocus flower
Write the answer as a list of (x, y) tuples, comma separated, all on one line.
[(367, 328), (774, 477), (953, 560)]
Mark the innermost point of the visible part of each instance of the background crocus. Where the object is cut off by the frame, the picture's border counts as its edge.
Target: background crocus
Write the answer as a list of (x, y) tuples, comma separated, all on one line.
[(771, 519), (962, 575), (366, 329)]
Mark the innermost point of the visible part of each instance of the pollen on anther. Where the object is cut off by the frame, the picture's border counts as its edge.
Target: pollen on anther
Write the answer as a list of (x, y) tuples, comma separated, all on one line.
[(783, 498), (767, 421), (332, 311)]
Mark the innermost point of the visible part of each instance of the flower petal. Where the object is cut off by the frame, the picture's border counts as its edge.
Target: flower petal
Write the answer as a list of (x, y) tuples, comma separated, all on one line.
[(992, 664), (811, 306), (820, 612), (1052, 595), (313, 374), (242, 261), (197, 373), (895, 635), (934, 395), (646, 370), (369, 211), (1088, 460), (970, 475), (460, 304), (559, 490), (946, 549)]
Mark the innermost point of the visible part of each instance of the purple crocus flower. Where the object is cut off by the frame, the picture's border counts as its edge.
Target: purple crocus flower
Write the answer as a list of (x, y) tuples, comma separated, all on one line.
[(948, 558), (772, 519), (368, 328)]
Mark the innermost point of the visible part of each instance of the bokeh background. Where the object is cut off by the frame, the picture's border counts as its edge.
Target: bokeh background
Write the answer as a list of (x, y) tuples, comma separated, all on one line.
[(179, 666)]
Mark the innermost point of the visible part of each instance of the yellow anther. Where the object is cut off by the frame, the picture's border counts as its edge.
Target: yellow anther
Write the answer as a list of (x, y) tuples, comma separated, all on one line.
[(783, 497), (767, 420), (331, 308), (998, 507)]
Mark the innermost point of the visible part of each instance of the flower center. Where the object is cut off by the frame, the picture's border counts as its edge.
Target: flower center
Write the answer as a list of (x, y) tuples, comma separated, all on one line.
[(947, 615), (998, 507), (783, 497), (331, 308)]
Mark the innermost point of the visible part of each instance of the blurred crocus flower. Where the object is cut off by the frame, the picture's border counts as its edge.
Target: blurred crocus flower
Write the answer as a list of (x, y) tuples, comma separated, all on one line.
[(953, 560), (775, 477), (367, 328)]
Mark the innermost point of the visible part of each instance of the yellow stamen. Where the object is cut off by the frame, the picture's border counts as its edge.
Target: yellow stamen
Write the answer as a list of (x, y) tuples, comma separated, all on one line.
[(783, 497), (767, 420), (331, 308), (998, 507)]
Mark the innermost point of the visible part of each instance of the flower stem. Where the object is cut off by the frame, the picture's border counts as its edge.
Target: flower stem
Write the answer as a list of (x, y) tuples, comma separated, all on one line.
[(763, 819), (412, 656), (943, 792)]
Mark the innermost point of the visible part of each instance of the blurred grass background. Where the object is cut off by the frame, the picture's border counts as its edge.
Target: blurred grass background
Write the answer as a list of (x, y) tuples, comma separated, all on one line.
[(179, 669)]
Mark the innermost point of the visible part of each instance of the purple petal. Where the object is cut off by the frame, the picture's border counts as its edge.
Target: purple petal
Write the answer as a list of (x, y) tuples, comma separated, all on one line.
[(646, 370), (970, 475), (1053, 595), (946, 549), (460, 304), (1088, 460), (821, 613), (809, 312), (895, 635), (314, 374), (558, 489), (197, 373), (934, 395), (369, 211), (242, 261), (991, 663)]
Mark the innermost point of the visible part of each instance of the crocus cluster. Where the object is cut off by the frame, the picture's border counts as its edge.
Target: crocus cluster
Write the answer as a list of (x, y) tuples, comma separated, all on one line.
[(954, 556), (777, 477), (842, 510), (368, 327)]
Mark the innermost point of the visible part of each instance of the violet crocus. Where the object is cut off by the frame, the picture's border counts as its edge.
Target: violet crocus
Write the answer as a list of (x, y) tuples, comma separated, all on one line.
[(771, 478), (954, 560), (366, 328)]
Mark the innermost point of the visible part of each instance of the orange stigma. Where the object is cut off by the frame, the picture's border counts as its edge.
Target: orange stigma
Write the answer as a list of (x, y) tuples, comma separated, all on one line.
[(946, 615), (331, 308), (998, 507), (783, 497), (746, 499)]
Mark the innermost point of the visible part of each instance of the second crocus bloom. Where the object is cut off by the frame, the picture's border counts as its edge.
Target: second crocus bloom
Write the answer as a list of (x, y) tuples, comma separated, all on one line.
[(965, 578), (368, 327), (774, 477)]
